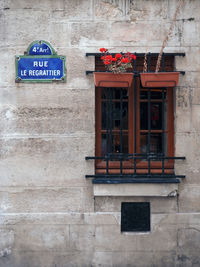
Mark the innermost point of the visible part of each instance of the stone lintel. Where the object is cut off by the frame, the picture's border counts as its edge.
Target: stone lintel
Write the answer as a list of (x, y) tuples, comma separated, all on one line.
[(162, 190)]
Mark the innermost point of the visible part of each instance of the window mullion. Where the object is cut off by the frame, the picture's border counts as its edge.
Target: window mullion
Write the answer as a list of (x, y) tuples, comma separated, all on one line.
[(149, 130), (121, 136), (135, 122), (163, 130)]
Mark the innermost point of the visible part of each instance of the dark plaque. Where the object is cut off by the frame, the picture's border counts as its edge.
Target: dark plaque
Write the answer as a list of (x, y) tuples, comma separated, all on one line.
[(135, 216)]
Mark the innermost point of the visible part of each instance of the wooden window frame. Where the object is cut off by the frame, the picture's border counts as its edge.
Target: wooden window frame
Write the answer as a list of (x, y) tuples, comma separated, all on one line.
[(141, 166)]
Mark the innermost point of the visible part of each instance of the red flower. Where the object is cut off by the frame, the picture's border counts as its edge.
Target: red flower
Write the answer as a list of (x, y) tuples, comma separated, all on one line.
[(117, 56), (102, 58), (133, 57), (109, 57), (106, 62), (114, 59), (125, 60), (102, 50)]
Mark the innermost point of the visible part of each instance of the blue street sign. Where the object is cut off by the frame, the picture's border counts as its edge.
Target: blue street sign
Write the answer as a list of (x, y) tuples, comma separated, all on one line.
[(40, 68), (40, 64)]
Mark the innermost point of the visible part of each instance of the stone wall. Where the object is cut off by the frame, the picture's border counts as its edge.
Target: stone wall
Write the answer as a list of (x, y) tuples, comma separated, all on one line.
[(48, 214)]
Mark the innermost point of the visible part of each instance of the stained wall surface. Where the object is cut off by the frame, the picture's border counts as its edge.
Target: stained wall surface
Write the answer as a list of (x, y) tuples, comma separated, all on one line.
[(48, 213)]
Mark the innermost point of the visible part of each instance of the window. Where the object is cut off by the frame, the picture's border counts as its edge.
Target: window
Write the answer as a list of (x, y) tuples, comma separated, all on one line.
[(134, 125), (135, 128)]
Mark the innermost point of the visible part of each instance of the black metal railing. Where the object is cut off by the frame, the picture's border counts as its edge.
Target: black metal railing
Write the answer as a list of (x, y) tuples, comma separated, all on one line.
[(133, 172)]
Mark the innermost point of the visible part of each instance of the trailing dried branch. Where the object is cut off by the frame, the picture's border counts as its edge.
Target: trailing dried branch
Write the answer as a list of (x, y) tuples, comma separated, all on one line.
[(168, 34), (145, 63)]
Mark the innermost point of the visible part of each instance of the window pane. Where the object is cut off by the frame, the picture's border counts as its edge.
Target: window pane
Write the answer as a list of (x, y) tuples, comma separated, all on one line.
[(155, 94), (103, 145), (155, 145), (117, 115), (114, 93), (116, 143), (155, 116), (118, 91), (112, 144)]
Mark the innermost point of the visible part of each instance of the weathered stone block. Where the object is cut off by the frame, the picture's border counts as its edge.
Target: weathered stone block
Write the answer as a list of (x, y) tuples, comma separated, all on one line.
[(191, 62), (189, 198), (183, 115), (43, 172), (42, 218), (103, 258), (109, 11), (186, 145), (7, 239), (47, 158), (126, 33), (47, 259), (162, 238), (82, 237), (77, 64), (191, 33), (59, 34), (23, 25), (74, 10), (188, 246), (101, 218), (196, 96), (42, 237), (113, 204), (42, 199), (48, 120), (61, 218), (139, 259), (44, 97), (7, 74), (89, 34), (149, 259), (188, 12), (196, 118), (188, 219), (109, 238), (191, 172), (191, 79), (36, 5), (145, 10)]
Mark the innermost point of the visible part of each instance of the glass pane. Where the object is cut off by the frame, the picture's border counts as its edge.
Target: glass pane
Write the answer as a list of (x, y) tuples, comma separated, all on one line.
[(104, 93), (156, 116), (103, 145), (118, 91), (114, 93), (117, 115), (112, 145), (114, 116), (116, 143), (156, 143), (103, 115), (155, 94)]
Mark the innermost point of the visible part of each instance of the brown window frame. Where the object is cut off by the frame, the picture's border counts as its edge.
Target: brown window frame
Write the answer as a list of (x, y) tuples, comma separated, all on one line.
[(141, 166)]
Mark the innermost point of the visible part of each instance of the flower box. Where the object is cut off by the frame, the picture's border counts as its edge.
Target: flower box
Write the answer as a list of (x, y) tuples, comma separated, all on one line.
[(109, 79), (160, 79)]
